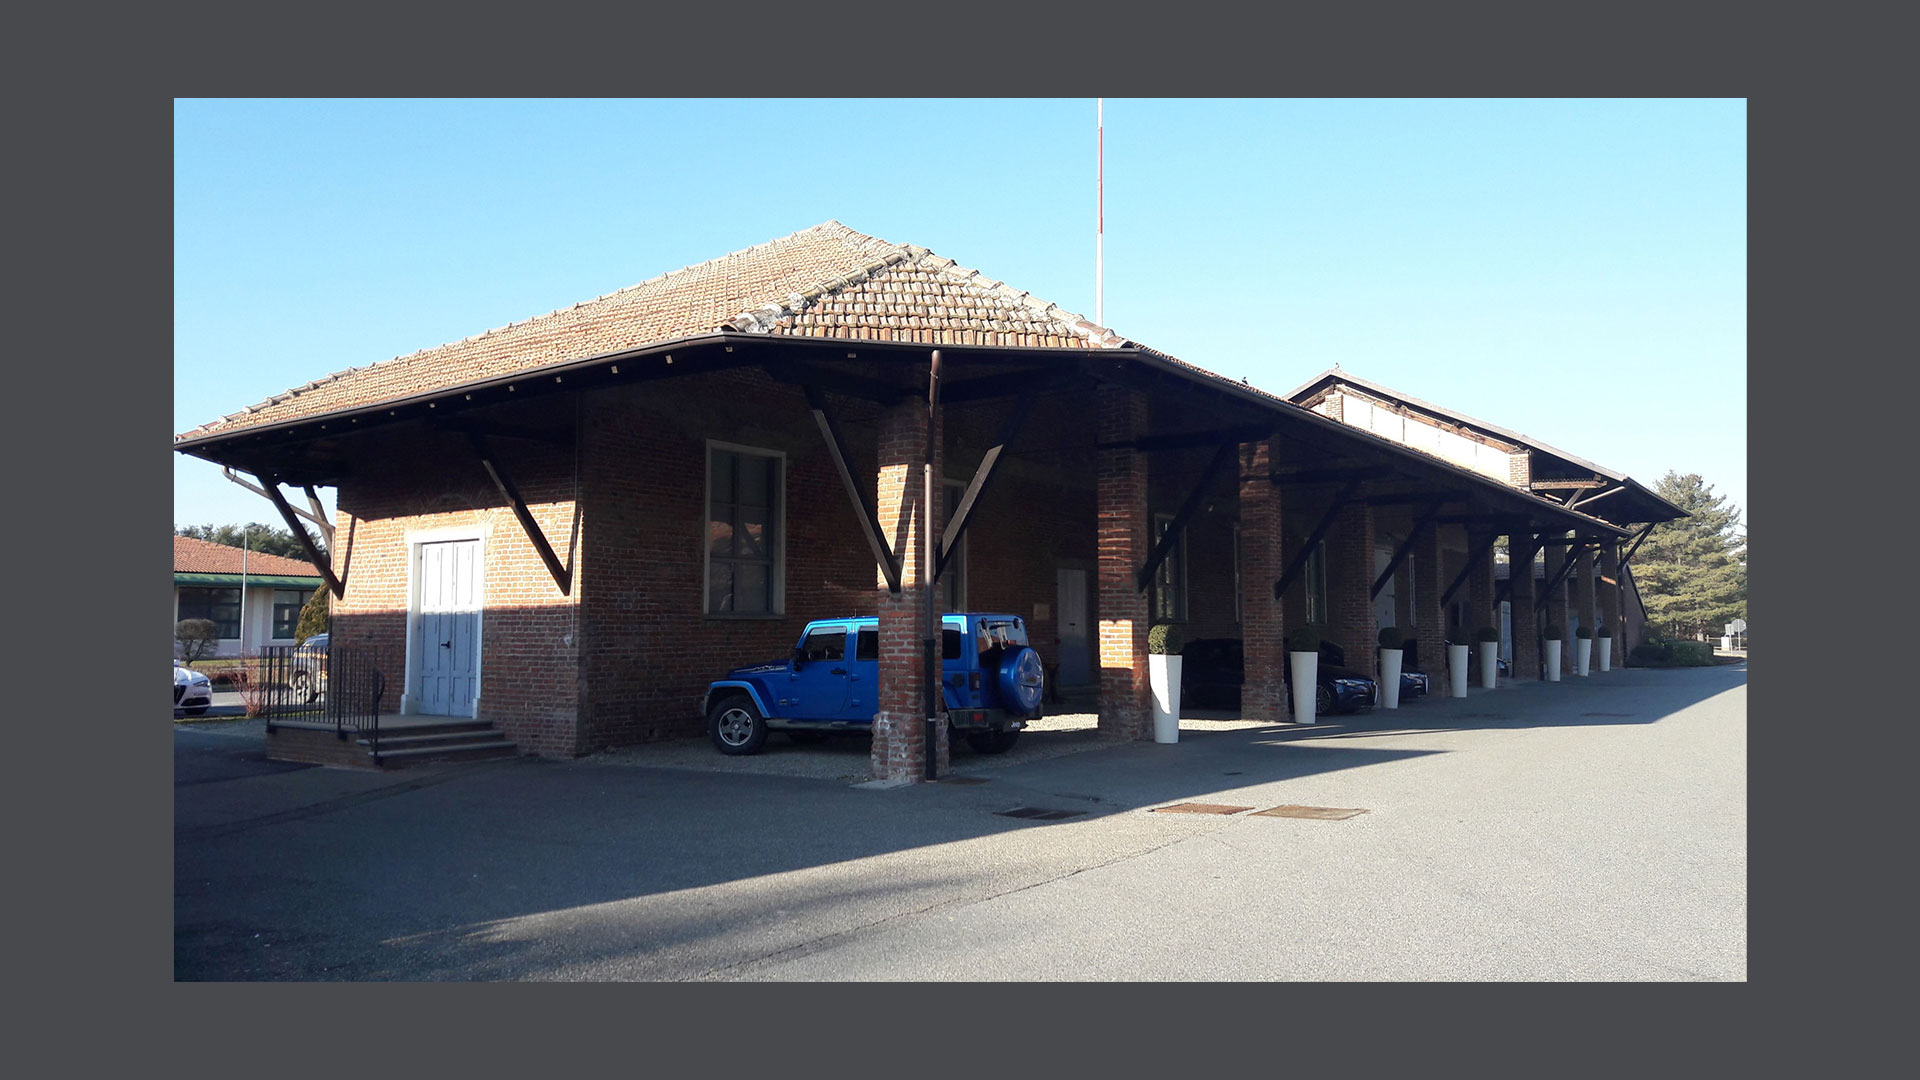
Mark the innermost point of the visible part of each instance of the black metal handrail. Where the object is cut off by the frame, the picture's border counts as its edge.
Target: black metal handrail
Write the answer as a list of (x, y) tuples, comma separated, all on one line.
[(340, 685)]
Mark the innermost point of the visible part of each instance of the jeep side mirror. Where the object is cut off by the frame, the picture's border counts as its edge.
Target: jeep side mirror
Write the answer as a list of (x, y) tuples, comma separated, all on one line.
[(799, 656)]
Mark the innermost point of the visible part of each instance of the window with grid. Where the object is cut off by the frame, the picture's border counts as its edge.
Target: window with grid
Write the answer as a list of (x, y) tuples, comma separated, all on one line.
[(743, 521), (220, 605), (286, 611)]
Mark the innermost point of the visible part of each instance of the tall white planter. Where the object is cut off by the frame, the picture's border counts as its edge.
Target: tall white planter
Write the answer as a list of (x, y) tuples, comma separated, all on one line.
[(1489, 664), (1306, 669), (1582, 656), (1606, 653), (1553, 659), (1457, 669), (1163, 673), (1390, 662)]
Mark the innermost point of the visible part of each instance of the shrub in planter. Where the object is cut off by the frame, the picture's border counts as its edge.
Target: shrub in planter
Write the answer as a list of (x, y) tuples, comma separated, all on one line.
[(1305, 639), (1165, 639), (1393, 646), (1487, 633), (1392, 638), (1603, 630), (1584, 633), (1553, 633)]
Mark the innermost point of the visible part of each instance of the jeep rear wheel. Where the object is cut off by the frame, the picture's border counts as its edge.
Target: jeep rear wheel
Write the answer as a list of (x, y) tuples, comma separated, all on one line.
[(992, 742), (735, 726)]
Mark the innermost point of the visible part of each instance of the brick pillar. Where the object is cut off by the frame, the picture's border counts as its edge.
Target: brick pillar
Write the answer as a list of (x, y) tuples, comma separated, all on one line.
[(1126, 701), (1609, 595), (1584, 598), (1526, 639), (1263, 626), (1430, 618), (899, 728), (1350, 585), (1557, 602), (1481, 608)]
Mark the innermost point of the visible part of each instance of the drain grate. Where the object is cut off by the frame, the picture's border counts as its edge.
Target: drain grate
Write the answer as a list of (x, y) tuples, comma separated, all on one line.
[(1037, 813), (1198, 808), (961, 780), (1319, 813)]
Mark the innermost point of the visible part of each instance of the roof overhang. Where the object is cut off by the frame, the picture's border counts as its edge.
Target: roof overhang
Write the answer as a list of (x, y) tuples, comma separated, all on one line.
[(276, 581), (879, 370)]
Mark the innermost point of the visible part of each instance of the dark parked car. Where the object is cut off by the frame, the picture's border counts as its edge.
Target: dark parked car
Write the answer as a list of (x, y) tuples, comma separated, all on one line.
[(1214, 669)]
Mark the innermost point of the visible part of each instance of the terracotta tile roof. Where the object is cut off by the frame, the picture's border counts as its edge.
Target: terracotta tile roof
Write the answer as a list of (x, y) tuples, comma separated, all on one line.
[(827, 281), (192, 556)]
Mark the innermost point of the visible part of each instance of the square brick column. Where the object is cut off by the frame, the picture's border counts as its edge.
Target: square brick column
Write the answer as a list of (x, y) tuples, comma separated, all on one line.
[(1263, 627), (1585, 602), (1521, 548), (1609, 595), (1126, 702), (899, 728), (1429, 617), (1350, 585), (1557, 602), (1481, 608)]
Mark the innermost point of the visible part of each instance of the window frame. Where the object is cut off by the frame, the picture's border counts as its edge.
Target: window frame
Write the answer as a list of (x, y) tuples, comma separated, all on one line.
[(293, 625), (776, 544), (1315, 582), (220, 626)]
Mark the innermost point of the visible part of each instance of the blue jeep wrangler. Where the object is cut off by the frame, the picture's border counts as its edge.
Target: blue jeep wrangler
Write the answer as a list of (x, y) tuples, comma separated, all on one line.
[(991, 680)]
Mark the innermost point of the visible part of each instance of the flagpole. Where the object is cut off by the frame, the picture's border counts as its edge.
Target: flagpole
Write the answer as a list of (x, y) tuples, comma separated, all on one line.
[(1100, 213)]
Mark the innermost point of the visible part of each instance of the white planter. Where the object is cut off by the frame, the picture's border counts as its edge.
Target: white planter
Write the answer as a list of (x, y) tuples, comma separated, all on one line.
[(1163, 672), (1390, 661), (1606, 653), (1582, 656), (1553, 659), (1489, 664), (1306, 669), (1457, 669)]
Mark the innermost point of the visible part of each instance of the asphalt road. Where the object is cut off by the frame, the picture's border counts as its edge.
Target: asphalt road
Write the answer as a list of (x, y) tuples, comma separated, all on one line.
[(1593, 829)]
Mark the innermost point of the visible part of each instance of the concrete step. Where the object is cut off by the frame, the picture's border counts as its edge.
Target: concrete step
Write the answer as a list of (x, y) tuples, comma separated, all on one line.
[(410, 738), (391, 758)]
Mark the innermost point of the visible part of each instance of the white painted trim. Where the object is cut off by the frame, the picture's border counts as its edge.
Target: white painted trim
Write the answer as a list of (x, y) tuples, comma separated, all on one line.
[(779, 566), (414, 539)]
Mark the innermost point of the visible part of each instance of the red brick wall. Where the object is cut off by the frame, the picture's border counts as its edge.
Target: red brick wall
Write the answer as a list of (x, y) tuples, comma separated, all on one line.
[(1125, 701), (1263, 696), (411, 481), (1431, 620), (1557, 602), (1349, 580), (1526, 639), (899, 729)]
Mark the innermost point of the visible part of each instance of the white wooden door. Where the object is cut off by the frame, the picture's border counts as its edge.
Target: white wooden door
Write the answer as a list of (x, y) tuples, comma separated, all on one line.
[(446, 648), (1076, 662)]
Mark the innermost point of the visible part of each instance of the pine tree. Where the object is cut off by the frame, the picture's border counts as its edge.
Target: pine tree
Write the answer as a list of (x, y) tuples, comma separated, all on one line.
[(255, 536), (1692, 572)]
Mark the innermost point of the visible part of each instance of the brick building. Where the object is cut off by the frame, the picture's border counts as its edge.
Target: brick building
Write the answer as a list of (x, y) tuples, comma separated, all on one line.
[(568, 525)]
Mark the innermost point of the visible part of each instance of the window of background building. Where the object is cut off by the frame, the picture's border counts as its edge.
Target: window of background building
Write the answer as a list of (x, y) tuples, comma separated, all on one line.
[(1170, 580), (220, 605)]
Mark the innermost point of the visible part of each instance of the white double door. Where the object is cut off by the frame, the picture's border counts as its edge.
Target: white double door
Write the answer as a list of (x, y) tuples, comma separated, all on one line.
[(446, 636)]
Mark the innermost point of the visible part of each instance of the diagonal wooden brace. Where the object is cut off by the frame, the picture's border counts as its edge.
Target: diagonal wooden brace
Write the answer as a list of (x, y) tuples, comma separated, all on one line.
[(1165, 546), (270, 487), (837, 448), (1406, 546), (976, 487), (1299, 560), (561, 576)]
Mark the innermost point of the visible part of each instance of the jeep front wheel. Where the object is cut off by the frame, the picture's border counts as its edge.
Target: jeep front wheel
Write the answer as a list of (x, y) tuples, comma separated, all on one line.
[(735, 726)]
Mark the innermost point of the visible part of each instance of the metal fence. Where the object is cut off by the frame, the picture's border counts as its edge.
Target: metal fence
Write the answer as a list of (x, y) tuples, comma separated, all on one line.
[(341, 686)]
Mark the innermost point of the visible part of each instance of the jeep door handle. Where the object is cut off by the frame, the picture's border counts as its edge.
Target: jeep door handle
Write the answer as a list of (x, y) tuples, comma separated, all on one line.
[(838, 671)]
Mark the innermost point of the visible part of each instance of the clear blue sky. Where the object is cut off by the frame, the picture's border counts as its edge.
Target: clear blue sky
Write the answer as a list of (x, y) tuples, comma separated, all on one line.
[(1572, 270)]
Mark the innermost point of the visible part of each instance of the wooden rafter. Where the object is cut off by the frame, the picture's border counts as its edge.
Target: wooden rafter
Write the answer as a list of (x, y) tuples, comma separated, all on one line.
[(1478, 552), (314, 515)]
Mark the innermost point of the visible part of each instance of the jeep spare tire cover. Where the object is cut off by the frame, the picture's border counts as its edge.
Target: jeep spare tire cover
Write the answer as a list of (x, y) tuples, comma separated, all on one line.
[(1022, 680)]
